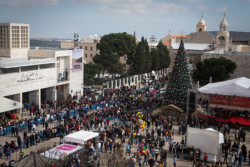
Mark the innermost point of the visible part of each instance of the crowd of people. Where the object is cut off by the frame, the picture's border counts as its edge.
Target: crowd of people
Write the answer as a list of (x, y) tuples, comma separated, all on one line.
[(141, 145)]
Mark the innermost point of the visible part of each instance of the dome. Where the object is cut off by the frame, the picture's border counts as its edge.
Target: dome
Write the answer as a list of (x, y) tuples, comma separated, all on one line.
[(202, 21)]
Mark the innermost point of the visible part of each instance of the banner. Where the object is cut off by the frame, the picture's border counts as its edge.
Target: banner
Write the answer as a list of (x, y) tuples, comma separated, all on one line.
[(77, 60), (230, 102)]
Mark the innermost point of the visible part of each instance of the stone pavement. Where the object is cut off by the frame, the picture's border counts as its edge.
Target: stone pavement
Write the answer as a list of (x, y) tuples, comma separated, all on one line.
[(40, 146), (180, 161), (51, 142)]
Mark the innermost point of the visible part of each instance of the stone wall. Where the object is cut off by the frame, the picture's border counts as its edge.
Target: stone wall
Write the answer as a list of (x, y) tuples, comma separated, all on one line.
[(242, 61)]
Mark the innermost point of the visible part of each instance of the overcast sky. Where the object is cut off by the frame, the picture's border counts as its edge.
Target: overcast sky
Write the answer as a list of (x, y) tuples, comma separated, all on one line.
[(61, 18)]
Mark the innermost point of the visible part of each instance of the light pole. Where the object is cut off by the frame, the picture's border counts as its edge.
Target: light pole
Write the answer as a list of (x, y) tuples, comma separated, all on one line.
[(188, 93)]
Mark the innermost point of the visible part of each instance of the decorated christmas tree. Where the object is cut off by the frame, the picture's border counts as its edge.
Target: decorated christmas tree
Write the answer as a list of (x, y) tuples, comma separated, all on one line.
[(179, 81)]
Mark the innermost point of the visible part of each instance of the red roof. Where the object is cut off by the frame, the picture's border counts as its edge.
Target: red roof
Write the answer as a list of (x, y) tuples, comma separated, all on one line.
[(178, 35), (166, 43)]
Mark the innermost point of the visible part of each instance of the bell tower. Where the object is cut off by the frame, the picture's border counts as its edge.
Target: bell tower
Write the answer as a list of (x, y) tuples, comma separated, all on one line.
[(223, 37), (201, 26)]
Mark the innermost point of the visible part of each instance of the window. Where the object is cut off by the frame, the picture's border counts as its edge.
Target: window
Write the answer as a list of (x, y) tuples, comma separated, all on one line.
[(91, 48), (91, 55), (9, 70), (80, 47), (43, 66), (86, 48), (29, 68), (86, 55)]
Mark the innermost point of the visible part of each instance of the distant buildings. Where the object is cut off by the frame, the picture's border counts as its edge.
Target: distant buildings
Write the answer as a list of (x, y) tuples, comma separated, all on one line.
[(204, 44), (87, 44), (35, 76)]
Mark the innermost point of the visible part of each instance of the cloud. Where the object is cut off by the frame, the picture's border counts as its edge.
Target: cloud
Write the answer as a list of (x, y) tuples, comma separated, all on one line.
[(202, 7), (135, 6), (222, 9), (18, 3)]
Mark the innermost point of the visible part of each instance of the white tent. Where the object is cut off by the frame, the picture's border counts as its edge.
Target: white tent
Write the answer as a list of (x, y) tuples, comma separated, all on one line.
[(80, 137), (235, 87), (221, 136), (61, 151), (207, 140), (7, 104)]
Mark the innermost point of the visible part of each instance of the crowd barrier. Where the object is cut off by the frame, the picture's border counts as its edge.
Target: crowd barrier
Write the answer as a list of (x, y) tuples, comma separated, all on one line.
[(21, 126)]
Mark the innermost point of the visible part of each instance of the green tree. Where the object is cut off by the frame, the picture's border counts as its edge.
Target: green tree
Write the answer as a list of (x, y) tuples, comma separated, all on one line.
[(218, 68), (140, 61), (155, 59), (148, 58), (163, 55), (112, 47), (90, 71), (179, 80)]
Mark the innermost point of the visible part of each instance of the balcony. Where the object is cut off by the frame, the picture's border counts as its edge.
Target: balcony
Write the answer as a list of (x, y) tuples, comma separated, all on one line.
[(63, 76)]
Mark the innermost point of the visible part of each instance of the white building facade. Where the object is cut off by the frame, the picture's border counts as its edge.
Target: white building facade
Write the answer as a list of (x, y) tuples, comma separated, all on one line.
[(38, 76)]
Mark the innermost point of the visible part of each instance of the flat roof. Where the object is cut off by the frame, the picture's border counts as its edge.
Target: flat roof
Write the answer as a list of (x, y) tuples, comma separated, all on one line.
[(192, 46), (12, 63)]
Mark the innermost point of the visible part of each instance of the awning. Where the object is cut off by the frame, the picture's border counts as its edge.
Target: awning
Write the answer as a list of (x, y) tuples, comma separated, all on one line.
[(7, 104), (80, 137)]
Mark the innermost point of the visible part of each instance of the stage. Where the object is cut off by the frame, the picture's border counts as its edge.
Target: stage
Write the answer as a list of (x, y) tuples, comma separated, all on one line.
[(234, 120)]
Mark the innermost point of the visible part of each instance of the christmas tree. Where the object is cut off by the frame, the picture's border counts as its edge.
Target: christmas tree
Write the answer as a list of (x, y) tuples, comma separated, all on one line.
[(179, 80)]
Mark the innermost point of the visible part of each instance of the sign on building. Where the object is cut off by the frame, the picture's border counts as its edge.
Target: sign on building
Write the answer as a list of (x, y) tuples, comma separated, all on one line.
[(77, 60)]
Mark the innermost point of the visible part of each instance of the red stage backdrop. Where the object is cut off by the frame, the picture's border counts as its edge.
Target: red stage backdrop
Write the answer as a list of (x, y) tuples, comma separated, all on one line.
[(230, 102)]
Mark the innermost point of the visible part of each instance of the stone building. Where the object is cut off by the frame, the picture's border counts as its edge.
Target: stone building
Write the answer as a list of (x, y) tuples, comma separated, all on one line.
[(87, 44), (204, 44)]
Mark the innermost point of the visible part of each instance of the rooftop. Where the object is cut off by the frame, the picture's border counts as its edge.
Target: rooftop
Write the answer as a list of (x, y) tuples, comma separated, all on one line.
[(12, 63), (179, 35), (235, 35), (192, 46)]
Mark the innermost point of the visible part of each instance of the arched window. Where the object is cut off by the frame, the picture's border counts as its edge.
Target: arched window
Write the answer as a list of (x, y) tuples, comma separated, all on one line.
[(200, 30)]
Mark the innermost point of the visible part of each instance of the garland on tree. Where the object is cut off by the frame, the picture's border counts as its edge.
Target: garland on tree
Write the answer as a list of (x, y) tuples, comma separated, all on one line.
[(179, 80)]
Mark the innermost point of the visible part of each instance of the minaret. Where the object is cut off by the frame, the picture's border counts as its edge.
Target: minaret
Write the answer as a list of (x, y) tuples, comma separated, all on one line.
[(223, 37), (201, 26)]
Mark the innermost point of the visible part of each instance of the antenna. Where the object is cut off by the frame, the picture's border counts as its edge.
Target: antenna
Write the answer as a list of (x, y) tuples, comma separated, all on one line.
[(152, 39), (76, 39), (169, 32)]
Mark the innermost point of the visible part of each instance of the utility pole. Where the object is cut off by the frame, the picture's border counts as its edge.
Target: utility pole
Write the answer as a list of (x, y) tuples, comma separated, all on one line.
[(187, 113)]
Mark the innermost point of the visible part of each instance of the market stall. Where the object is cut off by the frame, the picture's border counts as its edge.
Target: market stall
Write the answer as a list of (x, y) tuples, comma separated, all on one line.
[(61, 151), (80, 137)]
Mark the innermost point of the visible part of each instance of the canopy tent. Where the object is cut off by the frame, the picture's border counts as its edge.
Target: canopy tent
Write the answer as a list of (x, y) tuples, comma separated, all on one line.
[(80, 137), (231, 95), (61, 151), (235, 87), (7, 104)]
